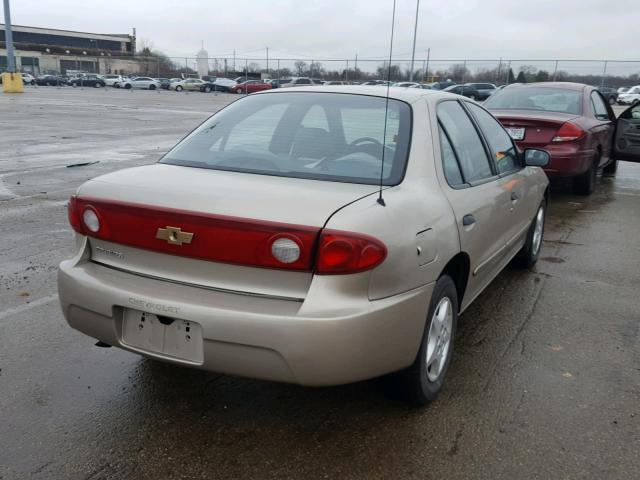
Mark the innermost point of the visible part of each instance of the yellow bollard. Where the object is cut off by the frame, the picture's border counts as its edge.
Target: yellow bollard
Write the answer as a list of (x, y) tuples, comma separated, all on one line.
[(12, 83)]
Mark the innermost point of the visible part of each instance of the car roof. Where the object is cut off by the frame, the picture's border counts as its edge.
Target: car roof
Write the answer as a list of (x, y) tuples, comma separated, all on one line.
[(408, 95), (562, 85)]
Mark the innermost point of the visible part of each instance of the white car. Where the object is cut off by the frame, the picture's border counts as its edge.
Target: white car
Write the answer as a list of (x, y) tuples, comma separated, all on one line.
[(144, 83), (113, 80), (298, 82), (630, 97), (28, 79)]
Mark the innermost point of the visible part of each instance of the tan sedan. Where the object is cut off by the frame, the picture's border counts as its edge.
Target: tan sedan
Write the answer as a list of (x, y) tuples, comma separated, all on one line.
[(319, 236), (191, 84)]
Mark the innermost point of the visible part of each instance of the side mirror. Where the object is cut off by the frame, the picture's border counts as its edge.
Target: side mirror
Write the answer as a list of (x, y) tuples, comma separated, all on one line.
[(536, 158)]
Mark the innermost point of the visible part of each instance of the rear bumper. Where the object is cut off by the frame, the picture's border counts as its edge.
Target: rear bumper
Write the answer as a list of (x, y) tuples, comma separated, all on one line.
[(322, 340), (567, 160)]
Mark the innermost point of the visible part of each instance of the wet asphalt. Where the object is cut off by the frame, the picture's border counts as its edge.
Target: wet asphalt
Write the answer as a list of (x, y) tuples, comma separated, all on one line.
[(545, 381)]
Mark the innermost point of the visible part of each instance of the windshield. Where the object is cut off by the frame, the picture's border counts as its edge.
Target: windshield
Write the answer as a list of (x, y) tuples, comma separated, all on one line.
[(321, 136), (536, 98)]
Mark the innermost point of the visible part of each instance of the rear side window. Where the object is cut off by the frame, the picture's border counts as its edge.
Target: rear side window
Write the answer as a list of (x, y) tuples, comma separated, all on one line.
[(504, 152), (449, 161), (465, 141), (599, 108)]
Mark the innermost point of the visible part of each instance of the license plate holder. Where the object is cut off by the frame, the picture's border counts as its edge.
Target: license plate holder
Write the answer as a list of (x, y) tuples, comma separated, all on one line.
[(516, 133), (165, 336)]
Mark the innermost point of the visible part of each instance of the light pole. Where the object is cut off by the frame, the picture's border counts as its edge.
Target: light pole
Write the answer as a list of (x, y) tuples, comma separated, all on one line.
[(11, 61), (415, 33)]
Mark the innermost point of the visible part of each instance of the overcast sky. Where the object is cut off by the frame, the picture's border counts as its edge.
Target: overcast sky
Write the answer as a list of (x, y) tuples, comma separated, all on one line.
[(536, 29)]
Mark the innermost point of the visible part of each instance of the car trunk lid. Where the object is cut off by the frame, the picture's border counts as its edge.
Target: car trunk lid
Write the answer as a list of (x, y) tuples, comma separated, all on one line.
[(539, 127), (211, 228)]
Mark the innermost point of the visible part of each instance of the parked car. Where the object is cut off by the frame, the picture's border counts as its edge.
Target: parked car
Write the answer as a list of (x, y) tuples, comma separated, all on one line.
[(610, 94), (276, 253), (464, 90), (219, 84), (623, 89), (485, 90), (250, 86), (405, 84), (87, 81), (51, 80), (113, 80), (442, 85), (372, 82), (141, 83), (191, 84), (334, 82), (28, 79), (572, 121), (630, 97), (164, 83), (297, 82), (424, 86)]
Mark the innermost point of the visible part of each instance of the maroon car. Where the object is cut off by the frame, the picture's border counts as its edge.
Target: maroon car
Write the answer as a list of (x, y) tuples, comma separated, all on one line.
[(571, 121), (250, 86)]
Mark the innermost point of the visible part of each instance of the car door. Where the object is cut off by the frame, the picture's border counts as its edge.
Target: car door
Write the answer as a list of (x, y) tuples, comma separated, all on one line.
[(603, 128), (476, 194), (626, 145), (517, 203)]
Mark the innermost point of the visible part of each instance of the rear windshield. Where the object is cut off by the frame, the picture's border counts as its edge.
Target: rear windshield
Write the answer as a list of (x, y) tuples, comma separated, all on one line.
[(321, 136), (537, 98)]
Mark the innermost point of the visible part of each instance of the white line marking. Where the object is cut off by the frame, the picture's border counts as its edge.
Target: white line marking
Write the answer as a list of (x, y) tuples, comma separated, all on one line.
[(27, 306)]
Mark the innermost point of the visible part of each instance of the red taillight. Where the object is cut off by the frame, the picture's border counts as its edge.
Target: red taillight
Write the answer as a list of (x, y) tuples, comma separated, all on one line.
[(568, 132), (343, 252), (73, 213)]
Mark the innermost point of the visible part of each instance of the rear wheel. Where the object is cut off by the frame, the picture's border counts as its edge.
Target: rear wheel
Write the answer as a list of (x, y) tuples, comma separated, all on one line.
[(127, 86), (612, 100), (152, 87), (528, 255), (585, 183), (207, 89), (240, 91), (423, 380), (179, 88)]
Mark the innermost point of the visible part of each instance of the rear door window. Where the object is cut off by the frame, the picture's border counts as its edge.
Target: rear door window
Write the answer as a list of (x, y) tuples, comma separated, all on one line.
[(465, 142)]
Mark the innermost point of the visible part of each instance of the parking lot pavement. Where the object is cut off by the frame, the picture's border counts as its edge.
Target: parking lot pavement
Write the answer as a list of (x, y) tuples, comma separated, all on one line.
[(545, 381)]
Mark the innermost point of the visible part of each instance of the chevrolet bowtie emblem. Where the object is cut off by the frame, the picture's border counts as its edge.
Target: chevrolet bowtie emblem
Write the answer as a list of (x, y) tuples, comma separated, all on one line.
[(174, 235)]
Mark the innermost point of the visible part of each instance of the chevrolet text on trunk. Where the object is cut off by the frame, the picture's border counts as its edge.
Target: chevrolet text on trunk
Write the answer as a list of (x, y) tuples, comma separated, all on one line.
[(318, 235)]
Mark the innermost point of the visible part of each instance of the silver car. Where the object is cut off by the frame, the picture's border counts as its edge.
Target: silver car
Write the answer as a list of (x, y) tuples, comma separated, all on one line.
[(145, 83), (318, 235)]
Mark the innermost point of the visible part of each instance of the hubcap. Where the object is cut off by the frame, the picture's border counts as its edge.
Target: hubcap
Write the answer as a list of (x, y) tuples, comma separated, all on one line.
[(439, 338), (537, 232)]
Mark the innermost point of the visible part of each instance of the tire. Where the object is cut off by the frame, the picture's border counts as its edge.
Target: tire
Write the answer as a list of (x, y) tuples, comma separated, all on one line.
[(611, 169), (116, 85), (472, 97), (528, 255), (152, 87), (421, 383), (179, 88), (127, 86), (585, 183), (612, 100), (240, 91), (33, 82), (207, 89), (74, 85)]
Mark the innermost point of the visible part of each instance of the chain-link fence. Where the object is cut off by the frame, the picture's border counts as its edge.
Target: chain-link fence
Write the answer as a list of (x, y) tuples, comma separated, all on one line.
[(498, 71)]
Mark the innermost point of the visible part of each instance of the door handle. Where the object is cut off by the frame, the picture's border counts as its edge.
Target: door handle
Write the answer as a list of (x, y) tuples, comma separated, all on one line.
[(515, 197), (468, 219)]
